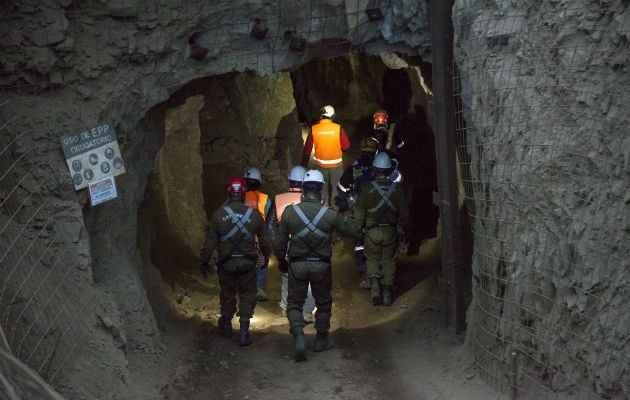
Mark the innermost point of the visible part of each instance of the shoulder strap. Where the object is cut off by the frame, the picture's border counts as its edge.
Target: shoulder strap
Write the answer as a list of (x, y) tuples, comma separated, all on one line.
[(311, 226), (239, 225), (385, 197)]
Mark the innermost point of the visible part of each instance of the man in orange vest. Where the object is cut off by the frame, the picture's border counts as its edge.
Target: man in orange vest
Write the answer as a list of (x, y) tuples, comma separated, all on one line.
[(254, 198), (330, 141)]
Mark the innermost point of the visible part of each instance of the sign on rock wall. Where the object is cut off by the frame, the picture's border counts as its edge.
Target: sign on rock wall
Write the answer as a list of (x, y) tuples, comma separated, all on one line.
[(92, 155)]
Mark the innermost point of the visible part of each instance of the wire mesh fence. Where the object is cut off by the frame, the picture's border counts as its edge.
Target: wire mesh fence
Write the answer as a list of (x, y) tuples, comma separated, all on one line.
[(543, 142), (44, 312)]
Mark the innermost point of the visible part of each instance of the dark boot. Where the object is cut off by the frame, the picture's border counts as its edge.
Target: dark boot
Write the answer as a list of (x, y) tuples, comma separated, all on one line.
[(322, 343), (387, 295), (243, 336), (225, 327), (300, 345), (376, 291)]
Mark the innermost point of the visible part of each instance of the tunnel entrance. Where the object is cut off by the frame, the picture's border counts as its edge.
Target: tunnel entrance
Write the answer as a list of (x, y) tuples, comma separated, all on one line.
[(215, 127)]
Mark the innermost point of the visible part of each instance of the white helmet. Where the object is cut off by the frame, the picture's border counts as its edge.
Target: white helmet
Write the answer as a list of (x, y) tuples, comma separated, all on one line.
[(313, 175), (328, 112), (252, 173), (382, 160), (297, 173)]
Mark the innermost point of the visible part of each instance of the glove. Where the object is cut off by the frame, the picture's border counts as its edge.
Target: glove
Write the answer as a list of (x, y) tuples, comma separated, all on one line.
[(342, 203), (283, 265), (401, 235), (403, 247), (204, 268)]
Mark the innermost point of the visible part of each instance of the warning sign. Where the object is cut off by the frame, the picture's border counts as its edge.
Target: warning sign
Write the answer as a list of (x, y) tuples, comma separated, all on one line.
[(103, 190), (92, 154)]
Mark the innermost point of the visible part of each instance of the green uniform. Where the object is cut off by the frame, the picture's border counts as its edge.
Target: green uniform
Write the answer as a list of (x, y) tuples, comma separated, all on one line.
[(310, 252), (381, 211), (232, 235)]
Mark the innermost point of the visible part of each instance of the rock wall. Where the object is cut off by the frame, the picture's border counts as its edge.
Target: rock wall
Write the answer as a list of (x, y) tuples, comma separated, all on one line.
[(545, 100)]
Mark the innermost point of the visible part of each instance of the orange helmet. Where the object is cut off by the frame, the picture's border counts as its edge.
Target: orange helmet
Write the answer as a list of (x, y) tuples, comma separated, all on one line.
[(236, 185), (380, 118)]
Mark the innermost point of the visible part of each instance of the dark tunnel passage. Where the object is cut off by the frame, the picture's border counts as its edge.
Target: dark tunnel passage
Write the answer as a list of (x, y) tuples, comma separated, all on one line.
[(215, 127)]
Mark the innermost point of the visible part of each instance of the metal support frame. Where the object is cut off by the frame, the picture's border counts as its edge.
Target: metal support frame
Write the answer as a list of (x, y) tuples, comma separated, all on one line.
[(444, 108)]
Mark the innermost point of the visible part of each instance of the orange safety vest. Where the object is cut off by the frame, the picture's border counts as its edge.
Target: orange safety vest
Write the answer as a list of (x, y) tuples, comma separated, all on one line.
[(327, 142), (285, 199), (256, 199)]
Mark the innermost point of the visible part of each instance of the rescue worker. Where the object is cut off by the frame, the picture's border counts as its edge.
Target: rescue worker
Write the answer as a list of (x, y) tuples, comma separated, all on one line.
[(389, 141), (383, 212), (358, 174), (330, 141), (309, 227), (232, 232), (262, 202), (280, 202), (386, 134)]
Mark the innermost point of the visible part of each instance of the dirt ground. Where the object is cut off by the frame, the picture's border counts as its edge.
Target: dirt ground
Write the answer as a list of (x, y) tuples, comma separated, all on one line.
[(398, 352)]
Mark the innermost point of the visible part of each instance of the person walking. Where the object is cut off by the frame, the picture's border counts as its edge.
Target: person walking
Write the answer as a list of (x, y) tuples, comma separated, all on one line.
[(329, 140), (232, 233), (353, 178), (389, 141), (309, 226), (280, 202), (262, 202), (383, 212)]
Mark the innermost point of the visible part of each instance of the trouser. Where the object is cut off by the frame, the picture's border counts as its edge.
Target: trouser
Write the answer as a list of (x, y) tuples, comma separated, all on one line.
[(309, 303), (261, 277), (242, 284), (331, 177), (319, 275), (381, 253)]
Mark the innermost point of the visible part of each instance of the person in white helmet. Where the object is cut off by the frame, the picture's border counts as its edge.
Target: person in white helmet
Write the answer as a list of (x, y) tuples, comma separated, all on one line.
[(280, 202), (382, 211), (329, 140), (309, 226), (254, 198)]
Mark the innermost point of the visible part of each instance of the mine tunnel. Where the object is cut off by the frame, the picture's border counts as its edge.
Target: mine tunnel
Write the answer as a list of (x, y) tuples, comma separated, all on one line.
[(213, 128)]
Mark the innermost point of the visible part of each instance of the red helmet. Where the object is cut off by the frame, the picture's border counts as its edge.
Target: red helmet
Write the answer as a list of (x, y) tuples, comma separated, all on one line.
[(236, 185), (380, 118)]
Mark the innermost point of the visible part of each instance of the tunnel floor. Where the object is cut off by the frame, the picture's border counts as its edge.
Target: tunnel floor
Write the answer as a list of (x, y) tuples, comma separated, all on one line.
[(398, 352)]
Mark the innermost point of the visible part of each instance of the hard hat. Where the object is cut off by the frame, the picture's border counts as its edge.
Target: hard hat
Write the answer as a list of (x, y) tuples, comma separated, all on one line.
[(252, 173), (328, 112), (369, 144), (313, 175), (236, 185), (380, 118), (382, 160), (297, 173)]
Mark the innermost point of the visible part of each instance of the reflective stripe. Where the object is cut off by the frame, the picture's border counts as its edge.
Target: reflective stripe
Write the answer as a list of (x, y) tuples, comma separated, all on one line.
[(327, 162)]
